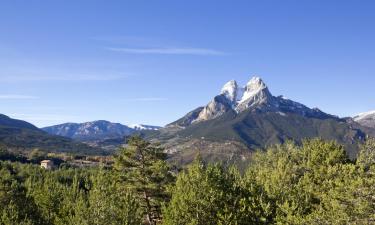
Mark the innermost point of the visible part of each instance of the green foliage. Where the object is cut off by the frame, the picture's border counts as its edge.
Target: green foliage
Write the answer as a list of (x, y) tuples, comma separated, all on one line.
[(142, 167), (366, 157), (213, 195), (311, 183), (107, 204), (15, 206), (6, 155), (31, 195)]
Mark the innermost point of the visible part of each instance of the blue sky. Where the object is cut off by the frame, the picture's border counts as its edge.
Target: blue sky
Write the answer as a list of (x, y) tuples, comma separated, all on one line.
[(151, 62)]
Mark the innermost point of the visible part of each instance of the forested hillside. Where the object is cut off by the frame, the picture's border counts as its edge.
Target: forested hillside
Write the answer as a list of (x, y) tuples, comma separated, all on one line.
[(23, 136), (312, 183)]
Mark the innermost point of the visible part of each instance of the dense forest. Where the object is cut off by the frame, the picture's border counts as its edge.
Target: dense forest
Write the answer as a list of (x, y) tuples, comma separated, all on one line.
[(311, 183)]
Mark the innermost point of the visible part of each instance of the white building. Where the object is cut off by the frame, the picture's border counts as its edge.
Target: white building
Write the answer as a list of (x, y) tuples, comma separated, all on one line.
[(46, 164)]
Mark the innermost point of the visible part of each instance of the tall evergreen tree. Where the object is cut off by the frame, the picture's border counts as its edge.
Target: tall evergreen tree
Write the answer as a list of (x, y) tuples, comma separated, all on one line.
[(141, 166)]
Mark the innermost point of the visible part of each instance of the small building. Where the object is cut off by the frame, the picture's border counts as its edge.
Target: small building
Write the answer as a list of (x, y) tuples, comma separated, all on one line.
[(46, 164)]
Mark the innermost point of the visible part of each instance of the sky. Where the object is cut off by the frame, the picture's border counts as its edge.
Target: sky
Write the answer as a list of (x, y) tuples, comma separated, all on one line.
[(151, 62)]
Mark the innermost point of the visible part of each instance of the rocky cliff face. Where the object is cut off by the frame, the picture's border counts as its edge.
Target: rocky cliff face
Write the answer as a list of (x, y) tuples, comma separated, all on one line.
[(217, 107)]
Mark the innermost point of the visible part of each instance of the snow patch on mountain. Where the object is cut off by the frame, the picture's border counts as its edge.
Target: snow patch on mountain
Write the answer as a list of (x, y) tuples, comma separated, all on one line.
[(230, 90), (143, 127), (366, 119), (364, 115)]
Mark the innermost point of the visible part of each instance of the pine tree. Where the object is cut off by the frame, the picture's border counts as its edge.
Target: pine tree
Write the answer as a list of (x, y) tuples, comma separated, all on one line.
[(141, 166)]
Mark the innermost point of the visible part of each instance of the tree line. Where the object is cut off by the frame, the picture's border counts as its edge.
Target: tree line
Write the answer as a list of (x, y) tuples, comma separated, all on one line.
[(311, 183)]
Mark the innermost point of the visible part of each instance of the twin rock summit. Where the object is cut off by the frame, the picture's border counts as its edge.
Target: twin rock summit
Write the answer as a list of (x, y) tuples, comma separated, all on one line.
[(255, 95)]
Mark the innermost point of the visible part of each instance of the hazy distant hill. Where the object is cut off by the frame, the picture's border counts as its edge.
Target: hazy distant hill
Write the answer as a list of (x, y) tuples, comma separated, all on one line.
[(90, 131), (23, 135), (101, 134)]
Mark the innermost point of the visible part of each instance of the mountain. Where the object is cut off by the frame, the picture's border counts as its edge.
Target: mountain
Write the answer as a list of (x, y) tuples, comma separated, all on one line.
[(18, 134), (242, 119), (90, 131), (366, 119), (255, 96), (6, 121)]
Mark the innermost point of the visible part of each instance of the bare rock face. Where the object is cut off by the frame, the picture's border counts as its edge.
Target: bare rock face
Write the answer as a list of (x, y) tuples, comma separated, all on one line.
[(217, 107), (366, 119), (256, 93)]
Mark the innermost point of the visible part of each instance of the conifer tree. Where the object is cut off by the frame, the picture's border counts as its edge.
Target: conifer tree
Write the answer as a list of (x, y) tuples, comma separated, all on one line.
[(141, 166)]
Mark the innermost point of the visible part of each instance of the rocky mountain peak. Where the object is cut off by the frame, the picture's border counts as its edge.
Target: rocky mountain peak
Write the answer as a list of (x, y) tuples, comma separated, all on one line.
[(230, 90), (255, 84), (237, 94), (255, 92), (233, 97)]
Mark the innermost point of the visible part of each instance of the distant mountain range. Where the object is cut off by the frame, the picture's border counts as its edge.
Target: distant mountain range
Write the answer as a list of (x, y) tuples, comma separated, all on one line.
[(250, 117), (89, 131), (97, 137), (99, 130), (21, 135), (229, 128)]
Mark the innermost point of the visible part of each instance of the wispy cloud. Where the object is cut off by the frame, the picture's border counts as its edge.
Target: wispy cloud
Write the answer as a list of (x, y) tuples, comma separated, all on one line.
[(61, 77), (17, 97), (129, 40), (145, 99), (169, 51), (42, 117)]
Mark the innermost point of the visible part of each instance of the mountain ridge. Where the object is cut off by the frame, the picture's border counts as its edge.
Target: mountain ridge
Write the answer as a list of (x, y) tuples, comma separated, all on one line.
[(19, 134), (249, 118), (98, 130), (89, 131)]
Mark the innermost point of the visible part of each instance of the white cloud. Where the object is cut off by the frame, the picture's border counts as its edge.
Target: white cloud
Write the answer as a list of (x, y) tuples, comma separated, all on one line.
[(145, 99), (168, 51), (15, 78), (42, 117), (17, 97)]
